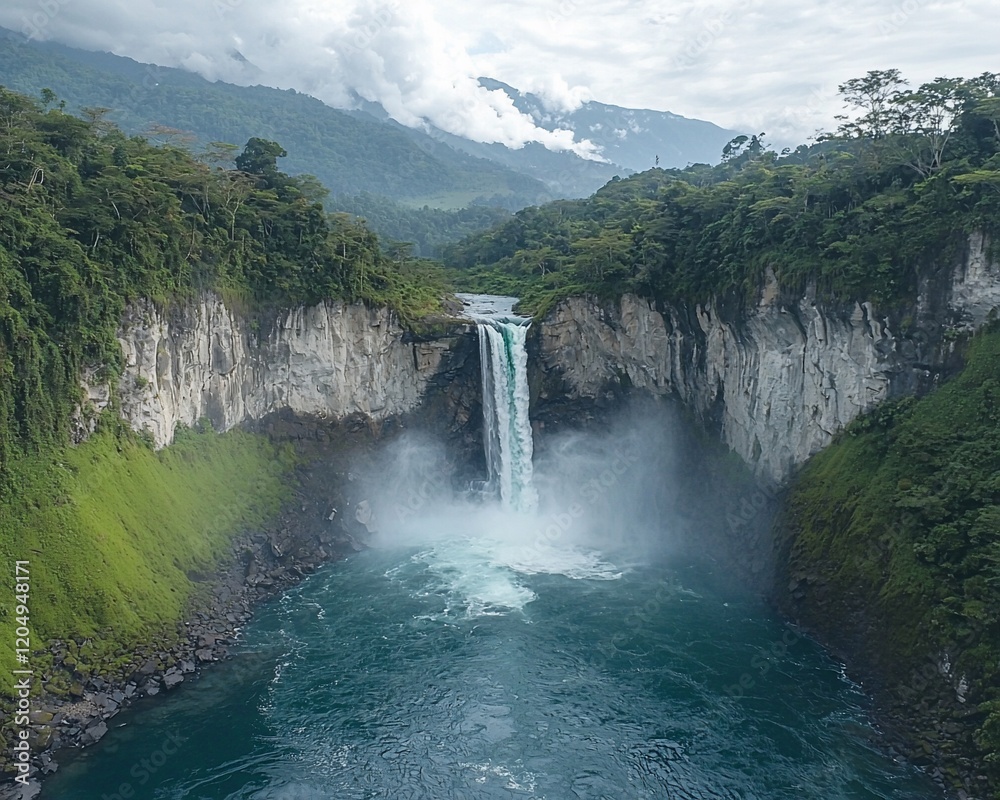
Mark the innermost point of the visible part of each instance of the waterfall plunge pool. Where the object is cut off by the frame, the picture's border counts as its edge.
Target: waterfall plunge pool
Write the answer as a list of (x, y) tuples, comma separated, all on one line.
[(546, 644)]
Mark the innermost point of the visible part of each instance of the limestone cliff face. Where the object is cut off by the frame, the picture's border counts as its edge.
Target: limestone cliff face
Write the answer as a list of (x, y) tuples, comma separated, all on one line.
[(777, 380), (205, 361)]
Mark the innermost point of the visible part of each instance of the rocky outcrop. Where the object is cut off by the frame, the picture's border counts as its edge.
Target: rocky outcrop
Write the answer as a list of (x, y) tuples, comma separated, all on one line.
[(329, 360), (777, 380)]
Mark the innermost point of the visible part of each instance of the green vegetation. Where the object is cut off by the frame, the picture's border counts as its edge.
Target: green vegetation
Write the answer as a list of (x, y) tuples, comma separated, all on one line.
[(92, 219), (427, 229), (860, 212), (900, 521), (349, 152), (113, 531), (893, 531)]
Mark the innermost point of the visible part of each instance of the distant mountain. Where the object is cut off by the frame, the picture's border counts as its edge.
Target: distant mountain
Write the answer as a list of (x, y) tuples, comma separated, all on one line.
[(631, 140), (565, 174), (372, 165), (349, 153), (631, 137)]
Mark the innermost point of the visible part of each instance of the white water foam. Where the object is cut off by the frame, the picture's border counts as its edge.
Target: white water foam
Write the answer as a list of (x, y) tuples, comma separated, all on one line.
[(472, 560), (507, 778), (476, 559)]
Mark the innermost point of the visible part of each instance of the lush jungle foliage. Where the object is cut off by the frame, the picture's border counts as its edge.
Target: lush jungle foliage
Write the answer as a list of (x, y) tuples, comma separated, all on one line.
[(91, 219), (904, 178), (901, 518), (897, 523)]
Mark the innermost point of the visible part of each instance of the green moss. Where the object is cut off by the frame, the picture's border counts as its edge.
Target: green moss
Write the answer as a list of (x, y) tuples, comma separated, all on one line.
[(112, 530), (899, 521)]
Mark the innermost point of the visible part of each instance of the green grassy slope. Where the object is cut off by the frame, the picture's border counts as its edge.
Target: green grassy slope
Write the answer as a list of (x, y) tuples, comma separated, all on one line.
[(112, 529), (893, 541)]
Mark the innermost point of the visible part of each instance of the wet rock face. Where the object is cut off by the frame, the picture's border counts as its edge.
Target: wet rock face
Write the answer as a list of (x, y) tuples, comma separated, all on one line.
[(452, 407), (330, 360), (777, 380)]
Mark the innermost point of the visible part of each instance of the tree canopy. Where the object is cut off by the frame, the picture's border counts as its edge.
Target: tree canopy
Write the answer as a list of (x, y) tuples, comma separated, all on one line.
[(93, 219), (906, 175)]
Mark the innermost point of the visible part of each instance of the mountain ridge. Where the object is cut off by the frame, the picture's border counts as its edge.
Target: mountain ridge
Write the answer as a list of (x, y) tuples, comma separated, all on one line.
[(636, 138), (410, 165), (348, 153)]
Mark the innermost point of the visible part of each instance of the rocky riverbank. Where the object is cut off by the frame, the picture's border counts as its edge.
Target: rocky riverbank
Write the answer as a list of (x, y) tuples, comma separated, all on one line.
[(321, 525), (922, 707)]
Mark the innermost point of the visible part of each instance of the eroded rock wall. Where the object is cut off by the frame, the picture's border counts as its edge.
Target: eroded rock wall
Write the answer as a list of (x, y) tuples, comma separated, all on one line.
[(205, 361), (777, 380)]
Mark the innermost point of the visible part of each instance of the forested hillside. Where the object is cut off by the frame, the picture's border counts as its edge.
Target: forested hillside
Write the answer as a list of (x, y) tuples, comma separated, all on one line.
[(409, 186), (892, 535), (93, 219), (911, 172), (896, 528), (427, 229), (349, 153)]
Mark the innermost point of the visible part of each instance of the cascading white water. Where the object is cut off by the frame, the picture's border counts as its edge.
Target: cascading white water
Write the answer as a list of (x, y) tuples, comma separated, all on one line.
[(505, 413), (506, 424)]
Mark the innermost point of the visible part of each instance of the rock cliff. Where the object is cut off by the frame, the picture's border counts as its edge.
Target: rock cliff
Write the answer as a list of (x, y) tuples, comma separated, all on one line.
[(205, 361), (777, 380)]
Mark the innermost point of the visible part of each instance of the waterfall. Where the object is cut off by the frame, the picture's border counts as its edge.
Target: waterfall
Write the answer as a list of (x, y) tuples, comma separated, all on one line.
[(506, 425)]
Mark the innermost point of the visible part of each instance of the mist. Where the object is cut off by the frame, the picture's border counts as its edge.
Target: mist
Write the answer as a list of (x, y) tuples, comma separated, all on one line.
[(607, 504)]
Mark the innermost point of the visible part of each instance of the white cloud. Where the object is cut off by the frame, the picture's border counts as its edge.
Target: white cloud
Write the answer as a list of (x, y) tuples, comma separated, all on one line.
[(401, 57), (744, 64), (557, 95)]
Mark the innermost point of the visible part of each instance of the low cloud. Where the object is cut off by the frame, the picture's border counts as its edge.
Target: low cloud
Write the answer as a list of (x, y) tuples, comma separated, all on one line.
[(385, 51), (557, 95), (743, 64), (402, 58)]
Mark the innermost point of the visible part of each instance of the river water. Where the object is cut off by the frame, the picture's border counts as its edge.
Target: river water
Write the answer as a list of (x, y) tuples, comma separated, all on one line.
[(456, 668)]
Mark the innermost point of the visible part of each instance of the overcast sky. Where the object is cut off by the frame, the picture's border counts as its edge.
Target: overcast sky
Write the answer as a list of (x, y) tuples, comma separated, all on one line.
[(749, 65)]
